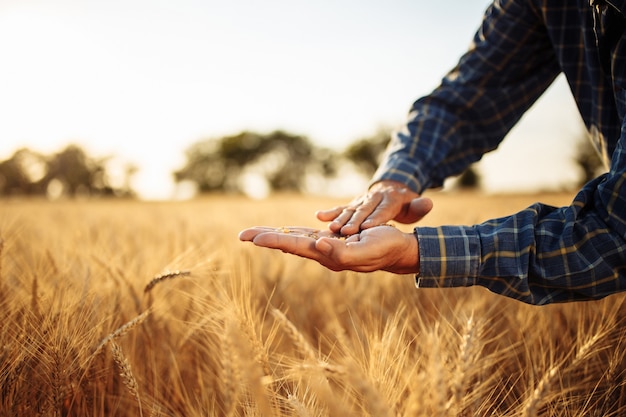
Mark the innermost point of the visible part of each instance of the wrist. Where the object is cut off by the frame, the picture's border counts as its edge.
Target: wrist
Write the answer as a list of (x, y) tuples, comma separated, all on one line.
[(408, 259), (385, 184)]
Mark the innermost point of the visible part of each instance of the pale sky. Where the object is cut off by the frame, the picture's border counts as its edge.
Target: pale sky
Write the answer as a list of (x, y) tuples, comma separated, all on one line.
[(144, 79)]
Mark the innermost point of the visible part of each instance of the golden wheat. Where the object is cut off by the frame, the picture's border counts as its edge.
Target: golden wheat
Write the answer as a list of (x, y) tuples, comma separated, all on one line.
[(259, 333)]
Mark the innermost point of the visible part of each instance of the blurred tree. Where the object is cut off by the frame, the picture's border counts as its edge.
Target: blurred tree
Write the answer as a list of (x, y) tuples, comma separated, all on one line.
[(78, 173), (295, 154), (219, 164), (366, 153), (70, 172), (588, 160), (75, 171), (22, 173)]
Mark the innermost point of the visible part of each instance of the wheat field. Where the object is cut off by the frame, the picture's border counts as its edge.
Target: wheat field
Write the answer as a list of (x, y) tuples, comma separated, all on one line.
[(119, 308)]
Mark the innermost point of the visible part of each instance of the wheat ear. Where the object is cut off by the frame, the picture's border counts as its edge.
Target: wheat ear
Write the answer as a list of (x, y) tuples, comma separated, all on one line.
[(164, 276), (296, 337), (252, 370), (230, 371), (126, 373), (539, 394), (465, 360), (372, 398), (297, 406)]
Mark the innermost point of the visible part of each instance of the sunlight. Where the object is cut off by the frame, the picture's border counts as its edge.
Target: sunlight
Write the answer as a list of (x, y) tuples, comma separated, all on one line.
[(255, 185)]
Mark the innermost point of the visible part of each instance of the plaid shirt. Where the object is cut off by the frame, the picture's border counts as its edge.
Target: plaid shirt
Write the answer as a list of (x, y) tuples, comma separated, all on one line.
[(542, 254)]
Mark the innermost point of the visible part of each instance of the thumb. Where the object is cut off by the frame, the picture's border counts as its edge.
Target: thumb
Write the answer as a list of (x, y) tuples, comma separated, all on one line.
[(418, 208), (324, 246)]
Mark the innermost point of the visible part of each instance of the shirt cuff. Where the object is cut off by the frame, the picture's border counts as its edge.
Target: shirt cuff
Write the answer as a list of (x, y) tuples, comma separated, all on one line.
[(449, 256)]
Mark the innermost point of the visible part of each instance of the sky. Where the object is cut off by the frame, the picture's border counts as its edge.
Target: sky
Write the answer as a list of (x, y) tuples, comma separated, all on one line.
[(144, 79)]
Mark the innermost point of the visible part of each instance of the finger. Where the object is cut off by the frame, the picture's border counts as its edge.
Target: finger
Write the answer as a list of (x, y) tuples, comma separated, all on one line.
[(330, 214), (362, 212), (385, 210), (247, 235), (339, 255), (295, 244), (410, 213), (343, 218)]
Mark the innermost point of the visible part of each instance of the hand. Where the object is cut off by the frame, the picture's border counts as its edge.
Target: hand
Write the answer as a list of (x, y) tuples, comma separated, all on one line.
[(386, 200), (378, 248)]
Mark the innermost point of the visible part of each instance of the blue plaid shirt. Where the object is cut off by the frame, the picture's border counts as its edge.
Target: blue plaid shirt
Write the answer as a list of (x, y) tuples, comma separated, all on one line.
[(542, 254)]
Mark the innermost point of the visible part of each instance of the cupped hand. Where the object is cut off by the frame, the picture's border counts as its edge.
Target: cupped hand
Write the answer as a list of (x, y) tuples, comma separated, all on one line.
[(386, 200), (378, 248)]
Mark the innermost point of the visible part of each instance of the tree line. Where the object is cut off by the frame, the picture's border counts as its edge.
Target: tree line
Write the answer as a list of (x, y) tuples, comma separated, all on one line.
[(70, 172), (285, 161)]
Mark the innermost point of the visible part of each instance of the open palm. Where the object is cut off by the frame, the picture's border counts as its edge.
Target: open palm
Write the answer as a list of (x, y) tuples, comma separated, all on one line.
[(378, 248)]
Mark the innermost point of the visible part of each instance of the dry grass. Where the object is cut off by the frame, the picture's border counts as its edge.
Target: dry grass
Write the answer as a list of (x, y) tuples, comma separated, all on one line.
[(122, 308)]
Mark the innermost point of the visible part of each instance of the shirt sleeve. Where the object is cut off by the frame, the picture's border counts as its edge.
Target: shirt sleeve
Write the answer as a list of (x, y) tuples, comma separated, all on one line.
[(509, 65), (543, 254)]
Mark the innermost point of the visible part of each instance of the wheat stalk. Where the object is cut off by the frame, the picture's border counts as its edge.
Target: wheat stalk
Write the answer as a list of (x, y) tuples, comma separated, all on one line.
[(121, 331), (436, 370), (55, 269), (126, 373), (34, 305), (1, 252)]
